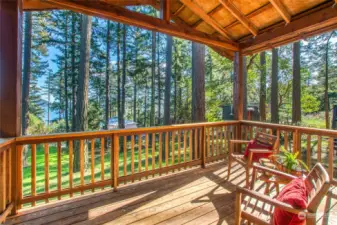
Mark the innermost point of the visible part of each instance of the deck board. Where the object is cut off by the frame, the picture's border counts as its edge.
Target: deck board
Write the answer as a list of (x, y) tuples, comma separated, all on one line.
[(198, 196)]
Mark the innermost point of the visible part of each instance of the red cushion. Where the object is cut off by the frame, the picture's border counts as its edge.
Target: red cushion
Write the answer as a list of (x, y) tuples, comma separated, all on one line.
[(295, 194), (254, 145)]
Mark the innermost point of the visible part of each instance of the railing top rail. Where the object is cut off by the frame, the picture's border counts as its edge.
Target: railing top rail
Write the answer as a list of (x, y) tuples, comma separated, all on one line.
[(306, 130), (96, 134), (4, 142)]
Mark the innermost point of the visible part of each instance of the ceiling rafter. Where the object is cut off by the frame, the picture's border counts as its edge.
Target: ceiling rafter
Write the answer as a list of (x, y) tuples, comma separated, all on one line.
[(181, 8), (209, 20), (281, 9), (211, 13), (250, 15), (239, 16), (174, 16), (126, 16)]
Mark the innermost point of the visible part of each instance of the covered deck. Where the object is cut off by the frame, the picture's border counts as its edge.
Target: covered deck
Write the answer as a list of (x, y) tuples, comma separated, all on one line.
[(196, 196), (153, 175)]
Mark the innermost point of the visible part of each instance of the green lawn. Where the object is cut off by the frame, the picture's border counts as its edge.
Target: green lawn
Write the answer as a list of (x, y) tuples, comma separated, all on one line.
[(40, 163)]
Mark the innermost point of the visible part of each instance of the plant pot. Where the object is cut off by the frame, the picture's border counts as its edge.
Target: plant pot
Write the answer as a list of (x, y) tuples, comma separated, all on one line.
[(281, 167)]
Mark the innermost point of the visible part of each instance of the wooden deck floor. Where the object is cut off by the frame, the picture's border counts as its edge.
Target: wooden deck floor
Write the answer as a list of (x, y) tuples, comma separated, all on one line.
[(198, 196)]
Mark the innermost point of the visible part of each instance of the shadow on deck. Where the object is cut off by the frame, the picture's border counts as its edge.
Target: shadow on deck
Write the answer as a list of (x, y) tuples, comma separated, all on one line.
[(197, 196)]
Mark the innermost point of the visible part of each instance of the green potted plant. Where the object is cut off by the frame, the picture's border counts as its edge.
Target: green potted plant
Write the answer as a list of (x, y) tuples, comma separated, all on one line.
[(289, 163)]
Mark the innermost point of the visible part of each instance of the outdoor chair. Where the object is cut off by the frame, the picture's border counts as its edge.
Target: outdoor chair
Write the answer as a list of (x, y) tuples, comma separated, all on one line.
[(267, 140), (257, 208)]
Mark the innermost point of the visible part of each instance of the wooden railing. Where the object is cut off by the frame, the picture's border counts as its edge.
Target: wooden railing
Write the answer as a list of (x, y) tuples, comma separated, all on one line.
[(40, 169), (7, 177), (54, 167), (314, 145)]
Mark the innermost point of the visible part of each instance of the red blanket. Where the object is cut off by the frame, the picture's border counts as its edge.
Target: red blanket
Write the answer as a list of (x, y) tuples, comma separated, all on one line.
[(254, 145), (295, 194)]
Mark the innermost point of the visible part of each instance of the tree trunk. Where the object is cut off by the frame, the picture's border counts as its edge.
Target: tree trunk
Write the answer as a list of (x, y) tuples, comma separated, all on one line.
[(168, 80), (153, 74), (119, 77), (123, 78), (198, 82), (83, 84), (66, 115), (274, 87), (26, 71), (159, 82), (175, 96), (326, 84), (107, 77), (244, 81), (135, 86), (263, 86), (145, 103), (296, 112), (73, 74)]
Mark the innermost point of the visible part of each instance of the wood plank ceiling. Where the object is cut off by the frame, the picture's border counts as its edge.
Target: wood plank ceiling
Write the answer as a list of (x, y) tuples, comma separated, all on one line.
[(225, 25)]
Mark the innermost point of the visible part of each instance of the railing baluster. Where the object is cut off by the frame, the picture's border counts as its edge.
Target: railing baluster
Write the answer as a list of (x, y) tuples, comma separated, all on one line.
[(208, 142), (2, 181), (319, 148), (19, 175), (160, 150), (82, 164), (185, 146), (173, 148), (139, 154), (203, 147), (286, 140), (196, 144), (331, 157), (212, 139), (102, 160), (167, 148), (309, 151), (71, 167), (124, 156), (153, 151), (133, 156), (146, 153), (9, 173), (191, 145), (59, 169), (33, 171), (46, 169), (179, 145), (93, 163)]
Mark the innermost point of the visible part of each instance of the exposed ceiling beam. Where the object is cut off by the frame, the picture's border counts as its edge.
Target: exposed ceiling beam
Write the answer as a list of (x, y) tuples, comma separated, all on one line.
[(252, 14), (209, 20), (281, 9), (174, 16), (211, 13), (128, 2), (181, 8), (301, 27), (239, 16), (38, 5), (125, 16)]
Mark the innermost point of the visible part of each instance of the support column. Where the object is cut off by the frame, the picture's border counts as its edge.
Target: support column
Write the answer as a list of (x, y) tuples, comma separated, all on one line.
[(10, 68), (239, 88)]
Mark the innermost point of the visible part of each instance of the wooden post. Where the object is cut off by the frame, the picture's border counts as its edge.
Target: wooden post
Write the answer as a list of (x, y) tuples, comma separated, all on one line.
[(115, 161), (203, 147), (10, 68), (165, 10), (238, 89)]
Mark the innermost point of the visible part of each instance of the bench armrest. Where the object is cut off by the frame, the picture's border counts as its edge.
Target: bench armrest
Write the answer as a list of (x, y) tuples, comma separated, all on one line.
[(269, 200)]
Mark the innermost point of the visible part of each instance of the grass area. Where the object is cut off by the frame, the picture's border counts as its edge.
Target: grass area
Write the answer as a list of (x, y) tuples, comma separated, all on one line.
[(40, 166)]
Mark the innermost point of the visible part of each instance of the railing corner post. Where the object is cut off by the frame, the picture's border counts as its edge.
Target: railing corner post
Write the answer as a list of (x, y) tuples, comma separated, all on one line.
[(203, 147)]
